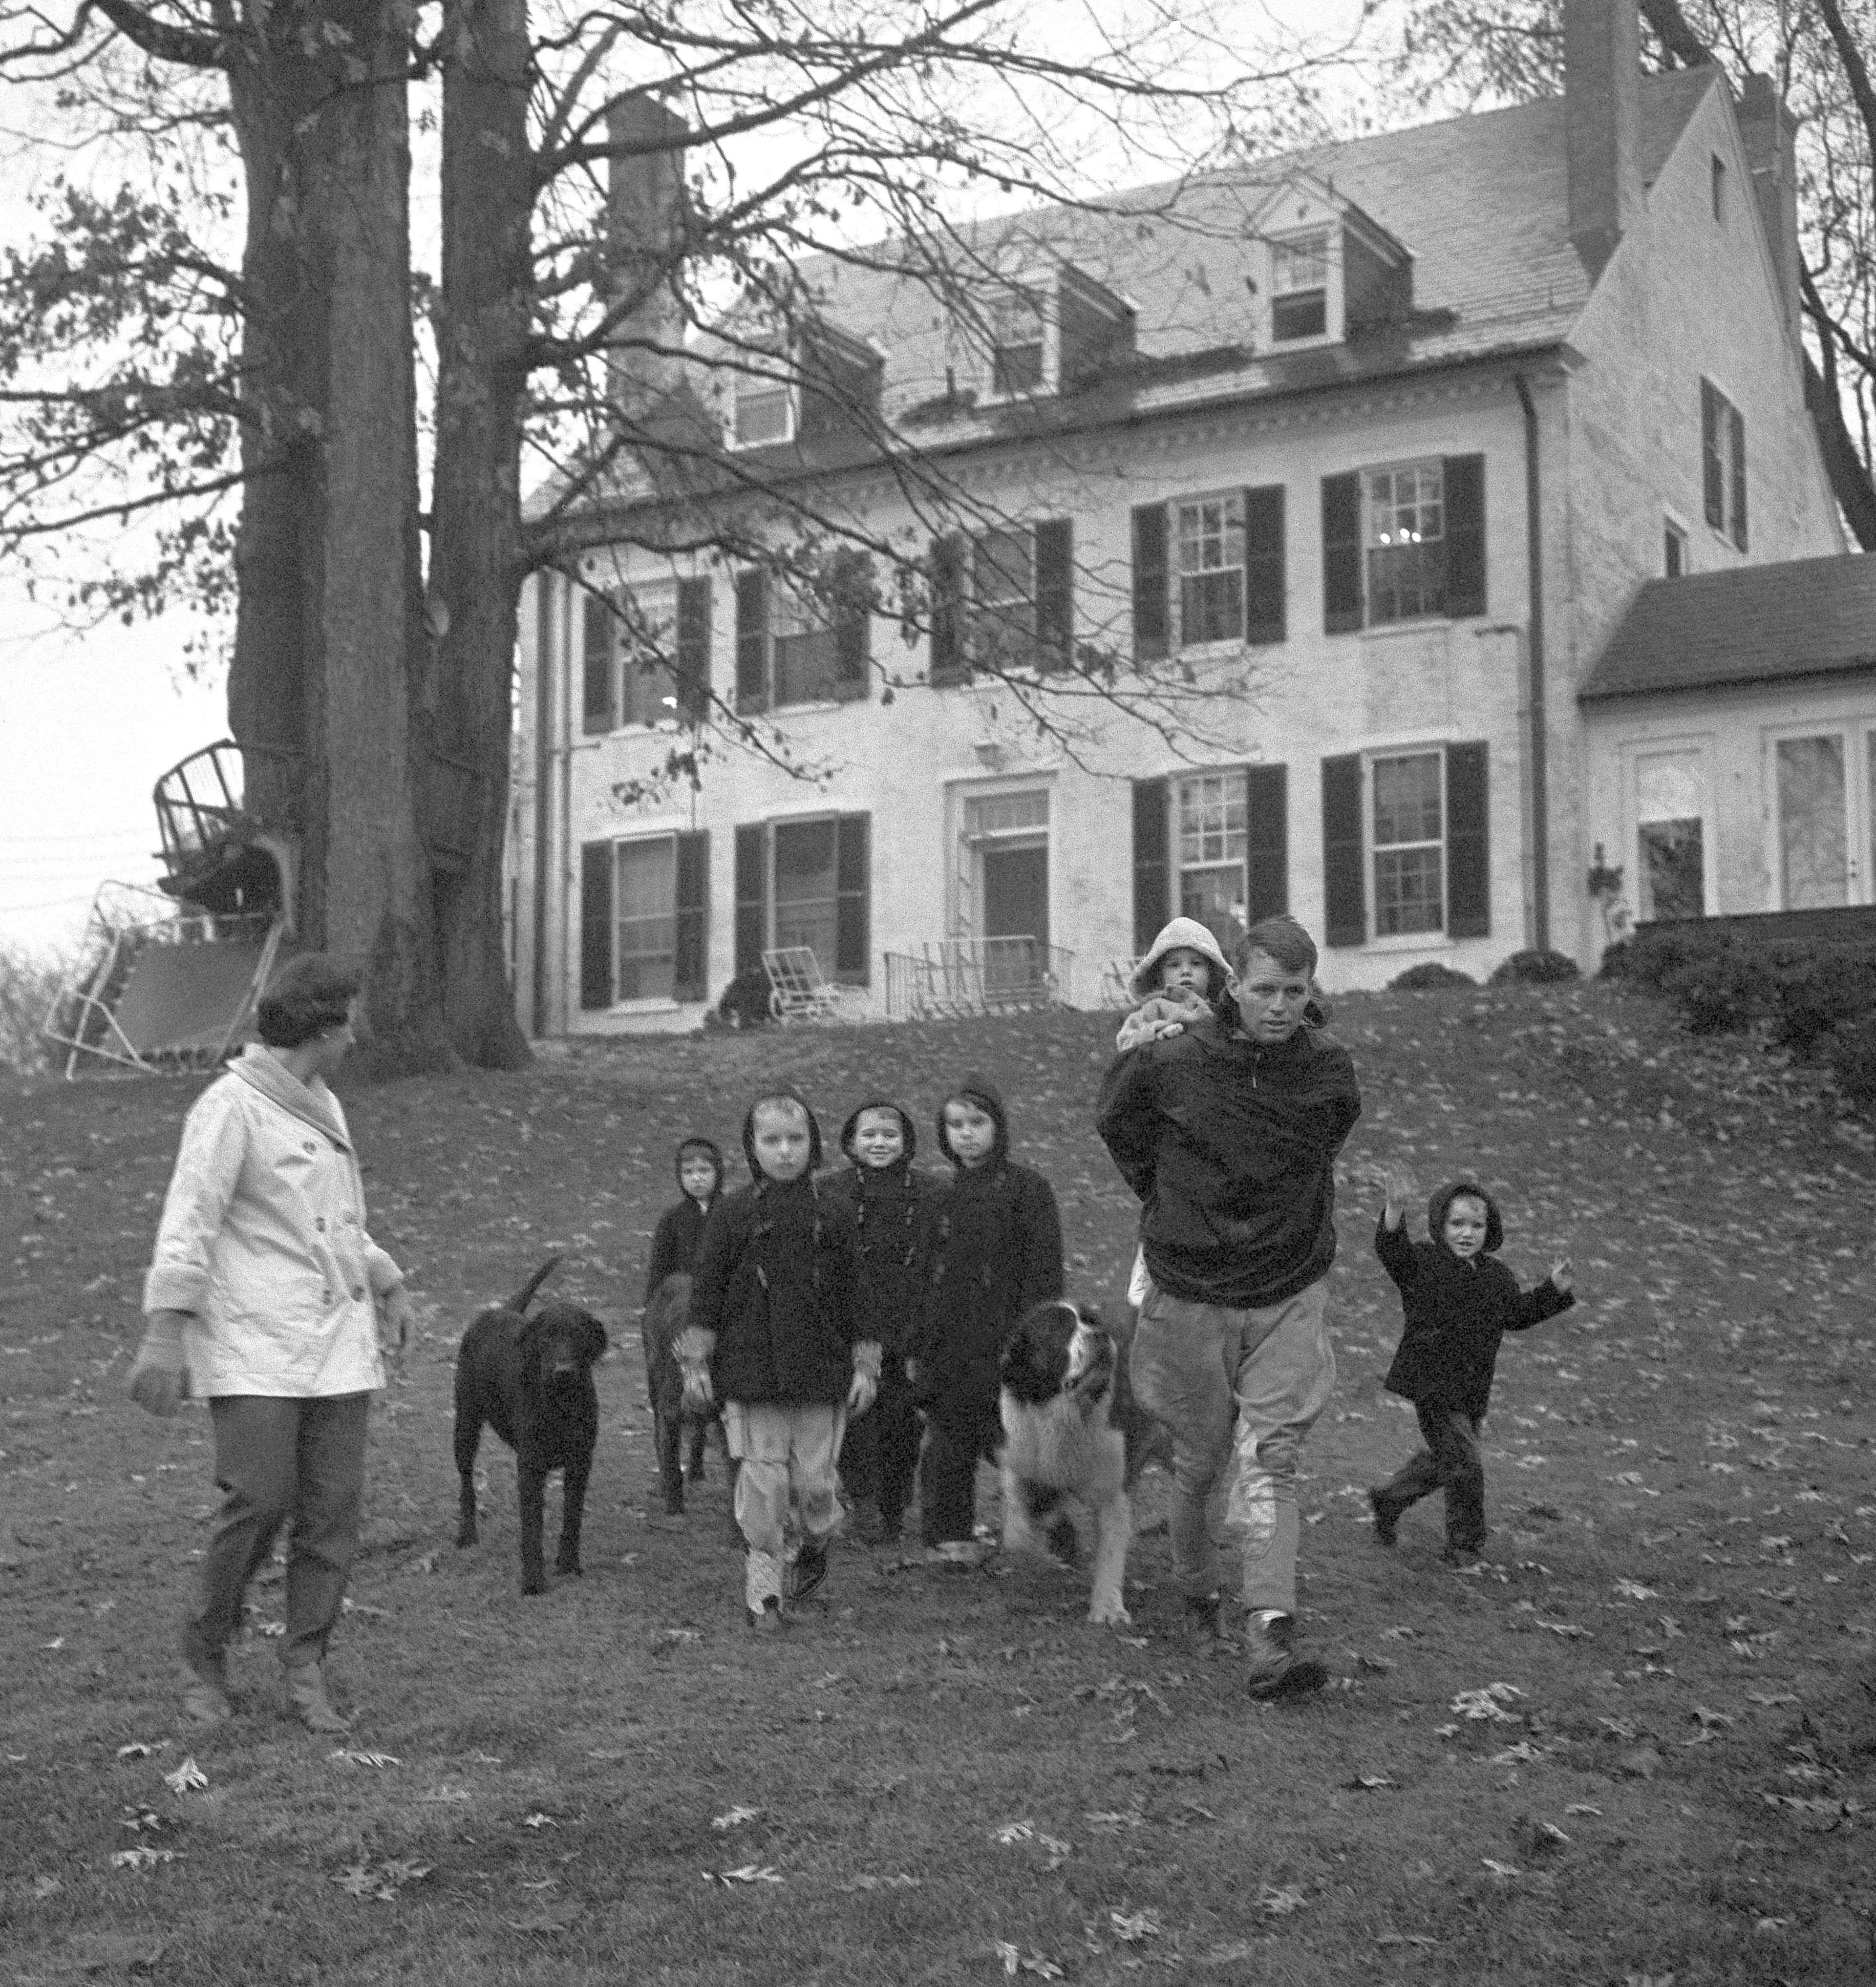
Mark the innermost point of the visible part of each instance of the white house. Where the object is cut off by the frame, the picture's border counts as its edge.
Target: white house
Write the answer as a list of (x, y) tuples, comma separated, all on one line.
[(1389, 442)]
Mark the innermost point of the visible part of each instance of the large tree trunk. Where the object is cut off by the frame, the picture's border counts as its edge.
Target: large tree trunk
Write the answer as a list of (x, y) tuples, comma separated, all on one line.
[(482, 322), (331, 607)]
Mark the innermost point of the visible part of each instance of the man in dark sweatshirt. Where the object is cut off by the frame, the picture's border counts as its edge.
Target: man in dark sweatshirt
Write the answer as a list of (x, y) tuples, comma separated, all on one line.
[(1228, 1133)]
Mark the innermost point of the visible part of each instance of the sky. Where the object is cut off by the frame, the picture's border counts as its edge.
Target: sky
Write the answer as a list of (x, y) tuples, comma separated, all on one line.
[(90, 719)]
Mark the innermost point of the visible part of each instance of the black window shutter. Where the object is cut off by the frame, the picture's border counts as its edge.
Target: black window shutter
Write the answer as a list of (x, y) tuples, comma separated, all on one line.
[(752, 640), (1266, 841), (1712, 465), (1054, 593), (1736, 421), (1151, 620), (1263, 565), (690, 977), (596, 712), (1469, 868), (852, 587), (1463, 477), (1342, 553), (853, 899), (596, 925), (693, 606), (1152, 876), (1344, 897), (948, 664), (751, 898)]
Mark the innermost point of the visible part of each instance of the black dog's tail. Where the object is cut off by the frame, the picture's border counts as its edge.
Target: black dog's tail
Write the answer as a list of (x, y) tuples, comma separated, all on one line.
[(524, 1296)]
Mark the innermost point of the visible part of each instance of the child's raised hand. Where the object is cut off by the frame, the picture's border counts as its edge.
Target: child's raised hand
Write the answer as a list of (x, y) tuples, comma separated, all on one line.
[(1561, 1272), (1399, 1188)]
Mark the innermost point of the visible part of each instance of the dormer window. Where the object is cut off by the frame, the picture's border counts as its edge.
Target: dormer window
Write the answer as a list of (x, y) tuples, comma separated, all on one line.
[(1017, 339), (1300, 286), (764, 411)]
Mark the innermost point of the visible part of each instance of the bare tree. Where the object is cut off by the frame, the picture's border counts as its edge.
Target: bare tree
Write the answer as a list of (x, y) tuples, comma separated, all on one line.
[(633, 202), (1818, 53)]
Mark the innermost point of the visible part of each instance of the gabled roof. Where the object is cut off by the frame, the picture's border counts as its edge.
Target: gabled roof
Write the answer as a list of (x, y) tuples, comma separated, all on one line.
[(1480, 201), (1749, 625)]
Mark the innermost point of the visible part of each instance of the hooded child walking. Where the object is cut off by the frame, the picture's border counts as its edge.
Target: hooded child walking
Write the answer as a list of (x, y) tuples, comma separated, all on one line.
[(1459, 1302), (775, 1336), (995, 1251), (889, 1197), (674, 1246)]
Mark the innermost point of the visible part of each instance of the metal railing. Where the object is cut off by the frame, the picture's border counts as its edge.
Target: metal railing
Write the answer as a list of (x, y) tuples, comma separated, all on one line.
[(957, 976)]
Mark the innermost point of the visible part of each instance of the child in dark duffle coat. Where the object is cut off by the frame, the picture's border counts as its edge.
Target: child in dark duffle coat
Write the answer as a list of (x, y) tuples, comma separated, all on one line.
[(674, 1245), (888, 1197), (1459, 1302), (995, 1251), (775, 1336)]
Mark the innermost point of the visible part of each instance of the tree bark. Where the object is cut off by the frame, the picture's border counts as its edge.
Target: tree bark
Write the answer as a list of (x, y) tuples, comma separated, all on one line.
[(482, 322), (331, 597)]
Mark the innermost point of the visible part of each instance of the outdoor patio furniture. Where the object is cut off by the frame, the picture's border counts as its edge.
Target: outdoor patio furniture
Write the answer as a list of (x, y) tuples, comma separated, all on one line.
[(800, 991)]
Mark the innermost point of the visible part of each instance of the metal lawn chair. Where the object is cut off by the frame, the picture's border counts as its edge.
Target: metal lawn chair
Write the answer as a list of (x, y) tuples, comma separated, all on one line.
[(800, 991)]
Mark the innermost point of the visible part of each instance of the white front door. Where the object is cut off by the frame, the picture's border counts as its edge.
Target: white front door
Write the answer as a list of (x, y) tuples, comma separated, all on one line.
[(1819, 789)]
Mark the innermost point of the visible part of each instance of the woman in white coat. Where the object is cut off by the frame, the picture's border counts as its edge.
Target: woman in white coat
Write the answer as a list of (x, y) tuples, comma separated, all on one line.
[(266, 1297)]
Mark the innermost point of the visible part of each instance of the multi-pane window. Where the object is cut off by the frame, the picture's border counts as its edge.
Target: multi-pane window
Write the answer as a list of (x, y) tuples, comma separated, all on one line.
[(803, 656), (645, 900), (1722, 463), (1209, 550), (1409, 844), (1212, 840), (1016, 345), (1300, 286), (1004, 591), (764, 411), (1406, 542)]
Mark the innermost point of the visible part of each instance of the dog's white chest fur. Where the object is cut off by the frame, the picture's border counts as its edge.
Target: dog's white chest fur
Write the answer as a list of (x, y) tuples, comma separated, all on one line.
[(1067, 1444)]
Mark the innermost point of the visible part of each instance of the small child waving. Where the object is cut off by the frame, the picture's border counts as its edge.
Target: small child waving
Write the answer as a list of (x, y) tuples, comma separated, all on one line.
[(774, 1335), (995, 1251), (1459, 1303)]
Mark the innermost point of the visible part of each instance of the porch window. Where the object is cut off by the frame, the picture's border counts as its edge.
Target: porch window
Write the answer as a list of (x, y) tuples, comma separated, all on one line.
[(1813, 853), (1670, 835)]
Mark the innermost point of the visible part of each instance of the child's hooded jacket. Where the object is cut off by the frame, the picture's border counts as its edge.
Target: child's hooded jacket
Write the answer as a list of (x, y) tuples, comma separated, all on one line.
[(889, 1204), (680, 1233), (774, 1288), (995, 1251), (1457, 1309)]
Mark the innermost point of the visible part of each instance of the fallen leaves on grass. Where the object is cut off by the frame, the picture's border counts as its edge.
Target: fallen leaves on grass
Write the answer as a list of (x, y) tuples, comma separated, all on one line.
[(749, 1873), (142, 1749), (1130, 1926), (733, 1818), (1503, 1871), (142, 1858), (381, 1882), (186, 1777), (1488, 1701), (351, 1758), (902, 1881), (1015, 1960), (1369, 1781), (538, 1821), (1279, 1901), (1405, 1938)]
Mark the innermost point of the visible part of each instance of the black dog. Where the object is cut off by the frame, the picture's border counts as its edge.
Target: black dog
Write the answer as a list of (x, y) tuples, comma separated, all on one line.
[(665, 1317), (530, 1379)]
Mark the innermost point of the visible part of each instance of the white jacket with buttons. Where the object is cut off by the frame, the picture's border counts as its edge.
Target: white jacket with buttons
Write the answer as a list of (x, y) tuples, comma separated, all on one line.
[(263, 1240)]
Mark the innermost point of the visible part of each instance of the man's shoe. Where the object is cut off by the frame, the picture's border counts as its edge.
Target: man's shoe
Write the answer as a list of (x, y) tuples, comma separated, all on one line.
[(1276, 1670), (809, 1570), (1387, 1519), (306, 1691)]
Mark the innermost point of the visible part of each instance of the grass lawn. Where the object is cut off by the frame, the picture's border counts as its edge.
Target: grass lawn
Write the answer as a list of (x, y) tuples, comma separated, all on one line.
[(1640, 1744)]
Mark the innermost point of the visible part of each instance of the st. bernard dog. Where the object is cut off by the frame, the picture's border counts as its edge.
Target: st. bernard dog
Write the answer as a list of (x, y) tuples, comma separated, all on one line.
[(1075, 1440)]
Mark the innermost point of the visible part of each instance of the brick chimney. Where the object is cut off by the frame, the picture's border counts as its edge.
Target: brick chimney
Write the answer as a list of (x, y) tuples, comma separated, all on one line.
[(1602, 71), (645, 227), (1770, 134)]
